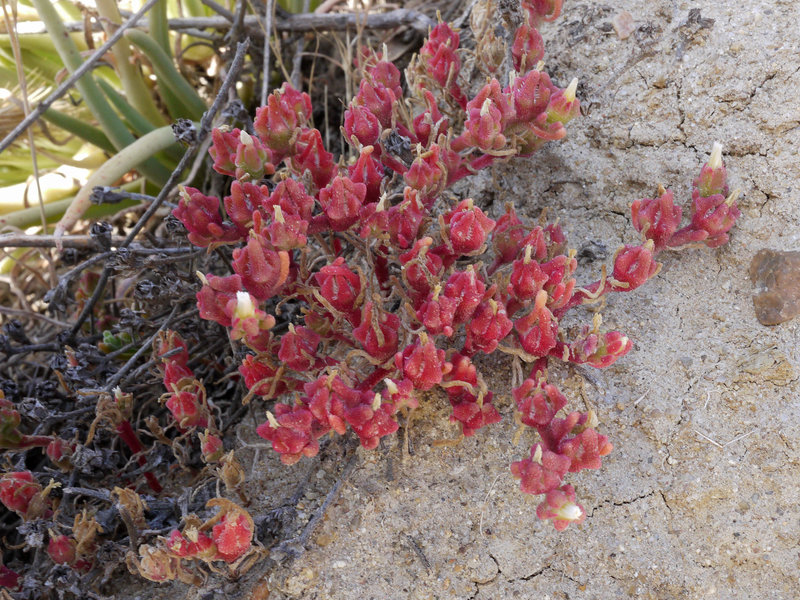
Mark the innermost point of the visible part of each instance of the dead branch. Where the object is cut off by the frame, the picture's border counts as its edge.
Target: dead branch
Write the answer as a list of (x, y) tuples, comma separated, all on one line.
[(87, 242), (79, 242), (300, 23)]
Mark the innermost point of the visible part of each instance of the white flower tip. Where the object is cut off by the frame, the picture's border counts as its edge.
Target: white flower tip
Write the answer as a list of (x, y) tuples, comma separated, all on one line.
[(572, 88), (715, 160), (527, 257), (570, 512), (391, 386), (245, 138), (244, 305)]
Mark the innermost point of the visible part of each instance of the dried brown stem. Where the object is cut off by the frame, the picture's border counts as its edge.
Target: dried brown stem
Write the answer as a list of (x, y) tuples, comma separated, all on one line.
[(310, 22), (267, 32), (79, 242)]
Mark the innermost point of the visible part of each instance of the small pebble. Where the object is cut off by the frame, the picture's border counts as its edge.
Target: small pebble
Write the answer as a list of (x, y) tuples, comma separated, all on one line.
[(776, 278), (623, 25)]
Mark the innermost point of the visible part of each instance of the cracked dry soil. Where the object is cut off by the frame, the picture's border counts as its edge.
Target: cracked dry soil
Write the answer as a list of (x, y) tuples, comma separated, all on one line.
[(699, 497)]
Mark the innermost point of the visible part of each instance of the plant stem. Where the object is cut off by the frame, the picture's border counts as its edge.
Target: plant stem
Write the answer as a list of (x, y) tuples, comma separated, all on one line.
[(136, 120), (128, 435), (80, 128), (113, 126), (159, 29), (373, 379), (205, 128), (27, 217), (35, 441)]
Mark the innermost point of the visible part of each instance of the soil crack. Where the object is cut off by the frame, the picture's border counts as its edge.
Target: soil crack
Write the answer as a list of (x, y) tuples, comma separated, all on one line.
[(622, 502), (481, 584)]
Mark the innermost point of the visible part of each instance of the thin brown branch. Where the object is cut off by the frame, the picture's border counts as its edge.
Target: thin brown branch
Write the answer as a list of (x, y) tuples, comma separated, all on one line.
[(15, 312), (79, 242), (297, 62), (321, 22), (145, 347), (294, 23), (269, 18), (296, 546)]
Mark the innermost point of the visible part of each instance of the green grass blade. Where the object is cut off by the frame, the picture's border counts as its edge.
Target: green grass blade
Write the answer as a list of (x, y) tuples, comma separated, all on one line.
[(135, 119), (159, 27), (112, 125), (133, 82), (137, 122), (185, 101), (80, 128)]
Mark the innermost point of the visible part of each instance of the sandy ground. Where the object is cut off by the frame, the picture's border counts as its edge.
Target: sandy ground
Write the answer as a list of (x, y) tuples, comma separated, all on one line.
[(699, 497)]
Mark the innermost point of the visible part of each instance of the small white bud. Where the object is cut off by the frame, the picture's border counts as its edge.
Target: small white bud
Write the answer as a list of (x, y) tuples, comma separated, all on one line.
[(244, 306), (715, 160), (570, 512), (569, 93), (391, 386), (527, 258)]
